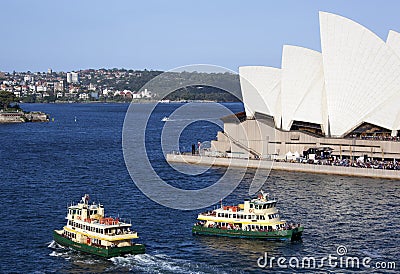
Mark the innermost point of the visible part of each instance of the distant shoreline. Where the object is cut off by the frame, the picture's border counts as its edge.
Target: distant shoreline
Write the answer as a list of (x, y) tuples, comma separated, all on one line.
[(119, 102)]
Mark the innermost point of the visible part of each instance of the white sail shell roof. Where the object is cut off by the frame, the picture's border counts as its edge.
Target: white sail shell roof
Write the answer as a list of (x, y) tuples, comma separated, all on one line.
[(302, 86), (393, 41), (261, 90), (361, 71), (356, 79), (387, 115)]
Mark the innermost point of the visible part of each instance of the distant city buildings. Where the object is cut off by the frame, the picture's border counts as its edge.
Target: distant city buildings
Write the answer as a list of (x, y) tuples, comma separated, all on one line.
[(72, 77), (83, 85), (28, 78)]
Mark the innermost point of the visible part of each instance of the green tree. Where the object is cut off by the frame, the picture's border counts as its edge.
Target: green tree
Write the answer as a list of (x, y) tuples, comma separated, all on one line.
[(6, 98)]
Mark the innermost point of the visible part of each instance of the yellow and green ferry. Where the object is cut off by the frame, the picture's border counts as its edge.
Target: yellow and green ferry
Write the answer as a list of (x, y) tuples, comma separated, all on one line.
[(257, 218), (89, 231)]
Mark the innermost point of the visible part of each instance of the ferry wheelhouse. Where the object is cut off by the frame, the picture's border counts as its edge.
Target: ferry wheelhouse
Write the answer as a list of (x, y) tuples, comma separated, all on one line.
[(88, 230), (257, 218)]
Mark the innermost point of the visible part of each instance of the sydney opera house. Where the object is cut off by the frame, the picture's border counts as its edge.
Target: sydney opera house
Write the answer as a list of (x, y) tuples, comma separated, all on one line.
[(345, 99)]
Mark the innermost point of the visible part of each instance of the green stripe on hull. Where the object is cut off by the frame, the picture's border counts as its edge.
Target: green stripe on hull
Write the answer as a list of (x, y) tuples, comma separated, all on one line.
[(280, 235), (103, 252)]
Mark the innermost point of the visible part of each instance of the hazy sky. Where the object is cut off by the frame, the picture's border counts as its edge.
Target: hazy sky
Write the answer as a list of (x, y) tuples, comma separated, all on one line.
[(78, 34)]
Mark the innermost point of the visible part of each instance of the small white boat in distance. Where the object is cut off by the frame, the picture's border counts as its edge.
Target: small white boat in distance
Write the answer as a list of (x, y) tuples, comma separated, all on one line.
[(165, 119)]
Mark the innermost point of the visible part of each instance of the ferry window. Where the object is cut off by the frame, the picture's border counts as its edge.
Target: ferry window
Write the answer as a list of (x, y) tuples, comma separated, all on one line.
[(226, 215), (248, 216), (256, 206), (264, 206), (269, 205), (257, 217), (269, 216), (234, 216), (251, 205), (230, 215), (262, 217)]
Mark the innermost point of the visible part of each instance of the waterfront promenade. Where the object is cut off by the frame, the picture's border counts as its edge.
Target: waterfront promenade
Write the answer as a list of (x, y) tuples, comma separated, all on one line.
[(285, 166)]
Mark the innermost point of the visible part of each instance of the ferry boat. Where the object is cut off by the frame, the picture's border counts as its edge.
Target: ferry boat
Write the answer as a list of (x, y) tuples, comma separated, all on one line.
[(88, 230), (165, 119), (257, 218)]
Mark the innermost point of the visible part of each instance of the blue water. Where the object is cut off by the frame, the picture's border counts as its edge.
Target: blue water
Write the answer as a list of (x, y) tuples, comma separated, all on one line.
[(45, 166)]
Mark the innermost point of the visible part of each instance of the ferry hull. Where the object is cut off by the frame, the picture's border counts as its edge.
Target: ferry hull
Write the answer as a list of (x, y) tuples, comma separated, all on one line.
[(279, 235), (103, 252)]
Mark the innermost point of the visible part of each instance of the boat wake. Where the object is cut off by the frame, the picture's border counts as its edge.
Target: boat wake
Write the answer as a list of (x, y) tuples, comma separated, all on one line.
[(54, 245), (72, 255), (142, 263), (160, 264), (167, 119), (59, 251)]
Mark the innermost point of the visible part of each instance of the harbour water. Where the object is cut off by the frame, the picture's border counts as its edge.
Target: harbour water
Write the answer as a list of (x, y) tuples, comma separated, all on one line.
[(45, 166)]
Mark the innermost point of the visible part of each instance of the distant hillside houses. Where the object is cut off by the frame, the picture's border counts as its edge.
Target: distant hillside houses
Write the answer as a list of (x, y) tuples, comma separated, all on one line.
[(134, 95), (117, 85), (83, 85)]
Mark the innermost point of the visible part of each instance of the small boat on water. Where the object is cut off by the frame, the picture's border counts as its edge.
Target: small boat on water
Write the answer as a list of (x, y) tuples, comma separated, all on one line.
[(165, 119), (88, 230), (257, 218)]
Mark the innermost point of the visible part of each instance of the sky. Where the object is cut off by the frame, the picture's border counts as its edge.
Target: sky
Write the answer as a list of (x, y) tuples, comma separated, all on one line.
[(162, 35)]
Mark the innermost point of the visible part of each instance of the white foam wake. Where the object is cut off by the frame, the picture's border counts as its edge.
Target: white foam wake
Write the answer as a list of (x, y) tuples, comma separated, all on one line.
[(160, 264), (54, 245)]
